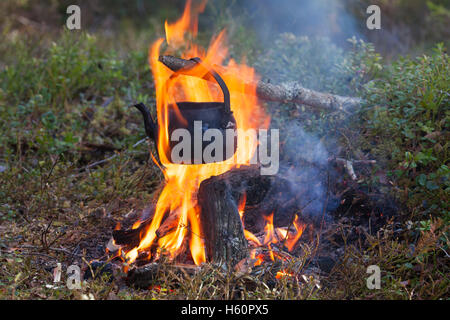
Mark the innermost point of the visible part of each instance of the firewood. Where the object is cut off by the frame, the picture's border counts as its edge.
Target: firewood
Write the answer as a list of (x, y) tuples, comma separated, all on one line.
[(289, 92), (222, 227), (169, 224), (131, 237), (217, 198)]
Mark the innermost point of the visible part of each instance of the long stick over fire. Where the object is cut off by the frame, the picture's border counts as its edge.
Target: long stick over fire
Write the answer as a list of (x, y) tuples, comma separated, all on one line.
[(291, 92)]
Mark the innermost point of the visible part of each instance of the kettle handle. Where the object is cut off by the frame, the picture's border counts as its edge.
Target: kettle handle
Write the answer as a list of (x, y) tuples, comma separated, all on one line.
[(150, 124), (215, 75)]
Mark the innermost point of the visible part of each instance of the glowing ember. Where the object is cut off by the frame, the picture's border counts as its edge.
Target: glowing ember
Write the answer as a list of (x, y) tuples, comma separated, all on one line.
[(136, 225), (272, 236), (292, 239), (248, 235), (283, 274)]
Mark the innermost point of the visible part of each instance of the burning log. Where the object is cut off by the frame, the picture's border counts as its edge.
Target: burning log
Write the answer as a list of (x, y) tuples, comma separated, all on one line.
[(225, 241), (218, 197), (222, 221), (169, 225), (291, 92), (131, 237)]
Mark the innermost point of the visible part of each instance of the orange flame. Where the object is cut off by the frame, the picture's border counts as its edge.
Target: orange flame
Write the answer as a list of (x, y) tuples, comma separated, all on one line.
[(283, 273), (241, 206), (292, 239), (259, 258), (136, 224), (248, 235), (275, 235), (183, 181), (188, 23), (270, 234)]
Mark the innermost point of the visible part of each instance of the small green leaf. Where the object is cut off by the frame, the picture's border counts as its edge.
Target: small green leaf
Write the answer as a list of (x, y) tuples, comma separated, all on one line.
[(422, 179)]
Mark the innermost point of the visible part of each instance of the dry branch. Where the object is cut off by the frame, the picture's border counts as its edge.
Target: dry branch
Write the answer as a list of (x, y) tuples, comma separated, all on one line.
[(290, 92), (348, 165)]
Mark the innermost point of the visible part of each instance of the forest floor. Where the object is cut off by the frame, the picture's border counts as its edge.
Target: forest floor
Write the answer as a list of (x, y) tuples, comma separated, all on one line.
[(64, 101)]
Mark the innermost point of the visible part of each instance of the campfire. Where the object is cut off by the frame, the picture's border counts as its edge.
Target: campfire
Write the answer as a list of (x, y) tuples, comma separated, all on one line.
[(220, 212)]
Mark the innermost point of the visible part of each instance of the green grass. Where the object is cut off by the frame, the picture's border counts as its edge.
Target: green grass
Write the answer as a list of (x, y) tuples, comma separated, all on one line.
[(408, 114)]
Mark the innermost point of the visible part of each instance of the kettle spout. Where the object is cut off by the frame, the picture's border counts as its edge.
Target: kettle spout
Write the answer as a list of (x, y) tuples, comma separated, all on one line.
[(150, 126)]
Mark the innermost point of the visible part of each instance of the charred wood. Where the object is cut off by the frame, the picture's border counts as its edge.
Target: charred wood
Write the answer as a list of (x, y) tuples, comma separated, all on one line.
[(131, 237), (225, 241)]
